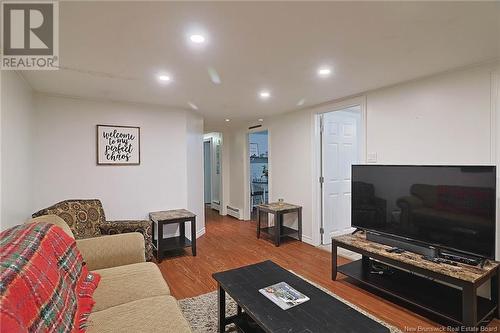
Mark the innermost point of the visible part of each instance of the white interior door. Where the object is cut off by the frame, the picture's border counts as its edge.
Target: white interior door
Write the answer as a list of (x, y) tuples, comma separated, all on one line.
[(340, 149)]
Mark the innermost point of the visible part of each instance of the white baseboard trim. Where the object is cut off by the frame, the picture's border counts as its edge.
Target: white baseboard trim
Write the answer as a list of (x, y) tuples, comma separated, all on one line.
[(200, 232), (308, 240)]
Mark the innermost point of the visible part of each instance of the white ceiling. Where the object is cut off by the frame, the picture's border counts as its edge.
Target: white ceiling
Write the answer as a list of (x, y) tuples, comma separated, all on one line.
[(114, 50)]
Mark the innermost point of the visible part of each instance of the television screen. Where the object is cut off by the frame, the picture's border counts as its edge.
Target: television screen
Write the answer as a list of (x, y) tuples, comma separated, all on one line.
[(450, 207)]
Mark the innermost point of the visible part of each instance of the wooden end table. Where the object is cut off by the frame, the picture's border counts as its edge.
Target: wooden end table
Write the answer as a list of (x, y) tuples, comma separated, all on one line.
[(176, 216), (279, 209)]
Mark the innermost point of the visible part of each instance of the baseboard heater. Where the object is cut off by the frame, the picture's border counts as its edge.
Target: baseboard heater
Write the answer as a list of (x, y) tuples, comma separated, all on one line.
[(234, 212), (216, 205)]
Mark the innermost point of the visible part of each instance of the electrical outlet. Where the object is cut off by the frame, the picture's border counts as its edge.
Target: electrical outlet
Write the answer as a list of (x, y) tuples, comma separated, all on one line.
[(371, 158)]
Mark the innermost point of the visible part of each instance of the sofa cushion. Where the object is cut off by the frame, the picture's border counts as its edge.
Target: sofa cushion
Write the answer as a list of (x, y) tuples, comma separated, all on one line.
[(128, 283), (154, 314)]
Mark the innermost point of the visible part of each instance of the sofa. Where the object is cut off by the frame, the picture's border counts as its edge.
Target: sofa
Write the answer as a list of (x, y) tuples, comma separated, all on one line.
[(86, 218), (132, 295)]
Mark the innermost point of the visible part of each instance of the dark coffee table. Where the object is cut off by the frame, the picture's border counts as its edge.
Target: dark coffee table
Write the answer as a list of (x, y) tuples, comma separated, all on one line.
[(256, 313)]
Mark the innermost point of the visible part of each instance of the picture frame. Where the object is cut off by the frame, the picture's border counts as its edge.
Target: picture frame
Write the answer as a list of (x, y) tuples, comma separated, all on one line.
[(118, 145)]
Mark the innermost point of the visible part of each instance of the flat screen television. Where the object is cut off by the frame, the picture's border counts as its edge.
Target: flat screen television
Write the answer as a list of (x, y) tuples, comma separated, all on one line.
[(448, 207)]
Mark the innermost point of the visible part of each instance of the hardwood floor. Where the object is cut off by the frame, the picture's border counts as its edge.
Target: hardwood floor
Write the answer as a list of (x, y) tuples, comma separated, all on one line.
[(230, 243)]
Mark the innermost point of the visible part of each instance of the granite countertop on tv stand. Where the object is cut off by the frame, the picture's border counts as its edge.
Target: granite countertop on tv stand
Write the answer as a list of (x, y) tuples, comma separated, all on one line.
[(461, 271)]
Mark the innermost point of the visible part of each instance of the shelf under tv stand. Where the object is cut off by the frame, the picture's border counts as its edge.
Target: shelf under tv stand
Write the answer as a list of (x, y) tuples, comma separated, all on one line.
[(413, 281)]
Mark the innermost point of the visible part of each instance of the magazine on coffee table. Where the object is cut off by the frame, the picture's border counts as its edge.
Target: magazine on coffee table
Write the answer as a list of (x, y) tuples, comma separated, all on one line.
[(283, 295)]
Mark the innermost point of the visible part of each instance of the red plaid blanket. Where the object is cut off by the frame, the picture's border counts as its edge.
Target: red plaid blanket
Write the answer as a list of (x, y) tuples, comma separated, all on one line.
[(44, 283)]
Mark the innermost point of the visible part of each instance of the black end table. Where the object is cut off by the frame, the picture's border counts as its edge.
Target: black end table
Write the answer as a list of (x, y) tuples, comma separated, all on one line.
[(255, 313), (278, 231), (176, 216)]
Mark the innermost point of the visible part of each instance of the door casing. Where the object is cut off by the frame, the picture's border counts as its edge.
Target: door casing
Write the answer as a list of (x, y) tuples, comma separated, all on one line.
[(338, 183), (360, 101), (246, 165)]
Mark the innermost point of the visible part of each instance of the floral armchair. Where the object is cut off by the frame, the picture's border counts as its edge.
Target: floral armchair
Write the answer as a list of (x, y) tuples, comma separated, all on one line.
[(86, 219)]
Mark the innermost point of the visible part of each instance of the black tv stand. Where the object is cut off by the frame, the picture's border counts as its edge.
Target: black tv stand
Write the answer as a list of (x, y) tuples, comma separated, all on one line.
[(459, 306)]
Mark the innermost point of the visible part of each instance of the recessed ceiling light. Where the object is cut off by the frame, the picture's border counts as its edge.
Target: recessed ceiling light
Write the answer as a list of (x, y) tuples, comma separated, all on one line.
[(193, 106), (301, 102), (227, 119), (198, 39), (260, 119), (164, 78), (324, 71), (264, 94)]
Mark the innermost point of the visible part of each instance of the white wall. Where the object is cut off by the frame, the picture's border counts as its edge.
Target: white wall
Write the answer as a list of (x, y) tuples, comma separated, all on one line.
[(65, 158), (16, 122), (444, 119), (290, 166), (194, 170)]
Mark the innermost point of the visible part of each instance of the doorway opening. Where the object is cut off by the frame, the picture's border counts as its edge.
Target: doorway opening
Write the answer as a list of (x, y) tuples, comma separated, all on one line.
[(212, 154), (342, 145), (258, 150), (207, 169)]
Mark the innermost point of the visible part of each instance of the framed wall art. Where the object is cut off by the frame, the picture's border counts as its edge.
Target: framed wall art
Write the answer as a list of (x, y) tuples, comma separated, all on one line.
[(118, 145)]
